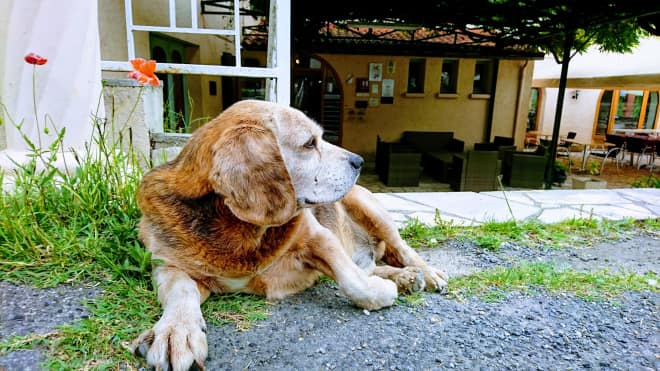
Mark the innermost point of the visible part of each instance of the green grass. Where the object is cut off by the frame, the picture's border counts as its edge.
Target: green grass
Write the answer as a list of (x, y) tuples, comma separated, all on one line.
[(491, 235), (493, 284)]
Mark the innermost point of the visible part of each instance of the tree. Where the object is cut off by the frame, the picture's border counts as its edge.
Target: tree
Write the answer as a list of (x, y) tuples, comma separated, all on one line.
[(617, 36)]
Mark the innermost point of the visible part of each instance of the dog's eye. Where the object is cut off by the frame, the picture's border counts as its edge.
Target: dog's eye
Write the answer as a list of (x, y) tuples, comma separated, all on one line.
[(311, 143)]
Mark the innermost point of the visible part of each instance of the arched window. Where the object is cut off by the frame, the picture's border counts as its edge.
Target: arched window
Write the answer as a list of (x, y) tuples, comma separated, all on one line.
[(651, 114), (627, 109)]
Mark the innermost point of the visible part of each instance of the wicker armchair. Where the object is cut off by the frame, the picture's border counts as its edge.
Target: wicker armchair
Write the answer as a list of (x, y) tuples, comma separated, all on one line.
[(397, 165), (475, 171), (523, 169)]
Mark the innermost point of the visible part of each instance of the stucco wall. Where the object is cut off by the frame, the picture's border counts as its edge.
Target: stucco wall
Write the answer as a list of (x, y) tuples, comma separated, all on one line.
[(465, 116), (578, 115)]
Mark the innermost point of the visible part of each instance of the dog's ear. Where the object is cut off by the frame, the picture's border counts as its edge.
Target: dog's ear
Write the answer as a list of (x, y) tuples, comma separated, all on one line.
[(249, 171)]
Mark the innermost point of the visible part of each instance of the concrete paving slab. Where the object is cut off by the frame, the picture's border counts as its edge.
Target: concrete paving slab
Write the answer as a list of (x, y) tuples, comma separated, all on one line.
[(556, 215), (578, 197), (619, 213), (429, 219), (520, 197), (470, 205), (647, 195), (394, 202)]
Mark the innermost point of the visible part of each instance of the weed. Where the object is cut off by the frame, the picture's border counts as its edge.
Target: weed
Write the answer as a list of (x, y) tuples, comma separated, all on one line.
[(651, 181), (493, 283), (491, 235)]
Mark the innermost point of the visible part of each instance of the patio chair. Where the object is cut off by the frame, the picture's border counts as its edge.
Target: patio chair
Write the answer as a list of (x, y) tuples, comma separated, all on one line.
[(636, 145), (397, 165), (615, 152), (523, 169), (564, 147), (475, 171)]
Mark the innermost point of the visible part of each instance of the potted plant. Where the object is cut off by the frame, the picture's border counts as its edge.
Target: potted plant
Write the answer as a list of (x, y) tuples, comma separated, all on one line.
[(559, 175), (591, 181)]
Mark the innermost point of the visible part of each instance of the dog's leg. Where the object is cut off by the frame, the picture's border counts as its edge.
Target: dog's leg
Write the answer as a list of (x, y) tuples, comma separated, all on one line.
[(371, 215), (324, 252), (178, 340)]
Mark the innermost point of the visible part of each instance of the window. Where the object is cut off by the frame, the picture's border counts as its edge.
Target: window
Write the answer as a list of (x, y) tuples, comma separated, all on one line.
[(483, 75), (449, 77), (628, 109), (604, 109), (533, 109), (651, 110), (416, 68)]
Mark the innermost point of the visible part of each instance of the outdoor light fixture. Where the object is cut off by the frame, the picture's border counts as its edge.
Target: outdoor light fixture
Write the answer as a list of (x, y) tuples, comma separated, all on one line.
[(575, 95)]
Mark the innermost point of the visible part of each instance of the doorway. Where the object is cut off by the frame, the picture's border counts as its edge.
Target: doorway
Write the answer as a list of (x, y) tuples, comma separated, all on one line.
[(176, 105), (317, 92)]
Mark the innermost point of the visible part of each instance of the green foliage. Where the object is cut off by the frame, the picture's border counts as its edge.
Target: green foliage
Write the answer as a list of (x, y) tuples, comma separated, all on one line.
[(494, 283), (594, 168), (491, 235), (60, 224), (651, 181), (615, 37)]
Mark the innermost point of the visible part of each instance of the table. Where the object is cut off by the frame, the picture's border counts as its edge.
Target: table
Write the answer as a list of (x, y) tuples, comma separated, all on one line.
[(637, 131)]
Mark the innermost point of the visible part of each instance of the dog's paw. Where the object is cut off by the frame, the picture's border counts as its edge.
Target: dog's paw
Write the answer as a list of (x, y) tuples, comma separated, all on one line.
[(410, 279), (380, 293), (436, 280), (174, 344)]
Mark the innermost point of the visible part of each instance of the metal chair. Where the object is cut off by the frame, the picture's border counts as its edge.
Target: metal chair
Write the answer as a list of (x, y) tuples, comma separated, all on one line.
[(615, 152), (636, 145), (565, 147)]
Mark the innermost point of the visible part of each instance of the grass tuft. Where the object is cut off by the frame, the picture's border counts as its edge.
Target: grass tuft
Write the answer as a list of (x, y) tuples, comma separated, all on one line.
[(491, 235), (493, 284)]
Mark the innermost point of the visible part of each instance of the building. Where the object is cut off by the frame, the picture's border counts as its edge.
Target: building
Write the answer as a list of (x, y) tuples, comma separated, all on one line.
[(605, 91)]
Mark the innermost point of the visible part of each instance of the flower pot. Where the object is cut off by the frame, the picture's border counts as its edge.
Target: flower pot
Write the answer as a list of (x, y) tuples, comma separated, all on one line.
[(588, 183)]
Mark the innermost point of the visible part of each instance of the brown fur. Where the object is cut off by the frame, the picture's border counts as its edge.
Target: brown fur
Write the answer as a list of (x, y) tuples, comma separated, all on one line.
[(257, 202)]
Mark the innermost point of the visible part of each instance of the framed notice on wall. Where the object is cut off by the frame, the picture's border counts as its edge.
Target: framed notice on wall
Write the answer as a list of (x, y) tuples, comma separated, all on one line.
[(375, 71), (388, 88)]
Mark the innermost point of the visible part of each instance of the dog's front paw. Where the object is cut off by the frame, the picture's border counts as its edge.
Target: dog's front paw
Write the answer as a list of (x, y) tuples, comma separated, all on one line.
[(174, 344), (436, 280), (380, 293), (410, 279)]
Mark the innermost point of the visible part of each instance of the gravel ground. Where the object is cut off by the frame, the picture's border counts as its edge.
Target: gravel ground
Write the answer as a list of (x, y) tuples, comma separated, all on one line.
[(319, 329)]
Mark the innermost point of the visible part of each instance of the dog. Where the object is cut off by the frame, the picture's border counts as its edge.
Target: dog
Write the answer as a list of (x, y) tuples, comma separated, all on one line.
[(257, 202)]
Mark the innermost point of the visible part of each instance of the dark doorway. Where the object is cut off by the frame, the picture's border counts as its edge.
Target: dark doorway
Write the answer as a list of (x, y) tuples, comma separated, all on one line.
[(176, 105), (316, 91)]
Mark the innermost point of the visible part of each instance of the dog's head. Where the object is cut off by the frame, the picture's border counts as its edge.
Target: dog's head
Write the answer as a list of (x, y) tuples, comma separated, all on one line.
[(269, 160)]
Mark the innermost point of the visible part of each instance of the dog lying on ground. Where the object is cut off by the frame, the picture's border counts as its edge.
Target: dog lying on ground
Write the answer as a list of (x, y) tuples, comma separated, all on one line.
[(258, 202)]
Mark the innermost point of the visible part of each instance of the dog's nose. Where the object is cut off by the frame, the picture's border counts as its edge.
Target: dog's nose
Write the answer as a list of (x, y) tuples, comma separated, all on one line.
[(356, 161)]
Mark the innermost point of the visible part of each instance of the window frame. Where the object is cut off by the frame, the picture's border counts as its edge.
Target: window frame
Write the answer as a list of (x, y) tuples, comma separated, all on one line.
[(485, 85), (421, 75), (453, 78)]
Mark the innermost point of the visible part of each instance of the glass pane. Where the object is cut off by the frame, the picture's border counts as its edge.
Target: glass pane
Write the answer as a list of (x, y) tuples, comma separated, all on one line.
[(416, 76), (448, 78), (628, 109), (533, 106), (604, 112), (651, 110), (481, 83)]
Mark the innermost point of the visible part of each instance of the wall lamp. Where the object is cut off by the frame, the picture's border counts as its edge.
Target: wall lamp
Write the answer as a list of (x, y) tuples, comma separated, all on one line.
[(575, 94)]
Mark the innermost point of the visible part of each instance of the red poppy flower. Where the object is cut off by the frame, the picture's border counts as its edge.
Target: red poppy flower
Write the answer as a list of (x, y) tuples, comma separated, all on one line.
[(143, 72), (33, 58)]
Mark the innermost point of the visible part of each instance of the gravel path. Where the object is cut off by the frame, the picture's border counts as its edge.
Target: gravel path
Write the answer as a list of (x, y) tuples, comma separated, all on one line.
[(319, 329)]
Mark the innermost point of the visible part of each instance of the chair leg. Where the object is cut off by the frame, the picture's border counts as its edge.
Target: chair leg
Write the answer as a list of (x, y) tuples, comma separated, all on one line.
[(615, 157)]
